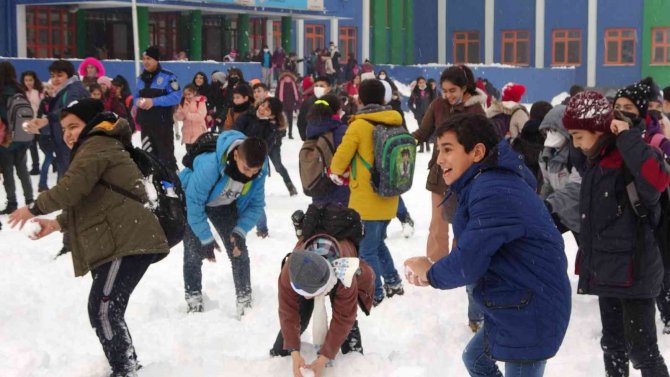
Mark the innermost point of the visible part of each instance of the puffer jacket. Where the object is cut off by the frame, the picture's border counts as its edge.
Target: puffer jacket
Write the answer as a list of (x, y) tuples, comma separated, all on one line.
[(512, 113), (509, 248), (103, 225), (193, 115), (615, 259)]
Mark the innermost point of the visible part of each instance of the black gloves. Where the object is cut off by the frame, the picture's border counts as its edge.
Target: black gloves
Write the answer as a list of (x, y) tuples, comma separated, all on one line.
[(207, 251), (238, 240)]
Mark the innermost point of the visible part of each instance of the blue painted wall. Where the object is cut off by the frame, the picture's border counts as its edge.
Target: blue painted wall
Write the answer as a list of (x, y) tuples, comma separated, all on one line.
[(514, 15), (7, 28), (425, 31), (618, 14), (566, 14), (465, 16)]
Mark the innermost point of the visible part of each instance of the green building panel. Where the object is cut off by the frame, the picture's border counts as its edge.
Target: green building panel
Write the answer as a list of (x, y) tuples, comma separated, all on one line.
[(379, 31), (656, 15), (196, 35), (143, 27)]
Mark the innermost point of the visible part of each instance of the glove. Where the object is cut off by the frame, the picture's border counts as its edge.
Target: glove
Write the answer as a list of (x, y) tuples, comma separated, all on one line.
[(239, 242), (340, 180), (207, 251)]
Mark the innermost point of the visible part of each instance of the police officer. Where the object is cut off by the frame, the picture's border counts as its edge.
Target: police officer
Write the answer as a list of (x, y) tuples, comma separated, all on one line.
[(156, 93)]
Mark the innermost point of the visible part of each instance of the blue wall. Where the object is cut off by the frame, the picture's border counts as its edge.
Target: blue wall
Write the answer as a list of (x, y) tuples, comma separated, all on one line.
[(184, 70), (425, 31), (7, 28), (465, 16), (627, 17), (541, 84), (566, 14), (514, 15)]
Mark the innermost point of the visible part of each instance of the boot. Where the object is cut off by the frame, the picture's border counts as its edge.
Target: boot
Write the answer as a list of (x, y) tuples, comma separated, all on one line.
[(243, 305), (11, 207), (475, 325), (35, 171), (194, 303), (353, 342), (666, 329), (377, 300), (291, 189), (394, 289)]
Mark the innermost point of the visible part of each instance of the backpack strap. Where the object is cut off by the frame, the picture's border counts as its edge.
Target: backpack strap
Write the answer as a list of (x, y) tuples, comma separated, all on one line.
[(641, 213), (366, 164), (120, 190), (656, 140)]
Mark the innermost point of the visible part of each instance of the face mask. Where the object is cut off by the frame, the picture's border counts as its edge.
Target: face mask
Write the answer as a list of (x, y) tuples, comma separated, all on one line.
[(266, 49), (319, 91), (233, 80), (382, 77), (633, 117), (422, 87), (656, 114), (554, 140)]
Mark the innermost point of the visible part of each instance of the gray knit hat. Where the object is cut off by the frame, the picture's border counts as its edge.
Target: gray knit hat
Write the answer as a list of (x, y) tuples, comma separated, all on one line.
[(308, 271)]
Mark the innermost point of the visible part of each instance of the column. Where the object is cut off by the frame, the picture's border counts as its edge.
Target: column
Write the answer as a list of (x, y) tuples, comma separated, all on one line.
[(442, 31), (300, 34), (539, 33), (592, 36), (242, 34), (269, 36), (379, 32), (396, 33), (80, 33), (21, 38), (489, 19), (143, 28), (226, 35), (196, 36), (409, 32), (335, 31), (286, 37), (365, 32)]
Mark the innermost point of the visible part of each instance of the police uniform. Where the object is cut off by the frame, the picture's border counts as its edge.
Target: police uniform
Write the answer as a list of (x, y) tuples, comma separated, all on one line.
[(157, 123)]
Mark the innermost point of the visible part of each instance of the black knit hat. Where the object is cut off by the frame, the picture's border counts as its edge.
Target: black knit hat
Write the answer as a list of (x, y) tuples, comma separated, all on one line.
[(152, 52), (308, 271), (638, 94), (85, 109)]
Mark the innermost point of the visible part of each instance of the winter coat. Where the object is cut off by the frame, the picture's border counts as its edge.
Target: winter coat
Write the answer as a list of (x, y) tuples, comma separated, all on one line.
[(561, 181), (328, 67), (103, 225), (193, 115), (250, 125), (35, 98), (344, 301), (70, 91), (358, 144), (278, 58), (287, 92), (302, 116), (94, 62), (208, 180), (509, 248), (315, 129), (234, 112), (419, 101), (614, 260), (654, 135), (266, 59), (530, 144), (513, 114), (437, 113)]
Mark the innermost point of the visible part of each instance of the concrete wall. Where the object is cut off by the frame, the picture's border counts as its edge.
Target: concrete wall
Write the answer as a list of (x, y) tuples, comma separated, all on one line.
[(425, 31), (566, 14), (618, 14), (514, 15), (465, 16)]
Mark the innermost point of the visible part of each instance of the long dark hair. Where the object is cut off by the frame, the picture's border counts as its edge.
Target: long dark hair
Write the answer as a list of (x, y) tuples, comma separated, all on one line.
[(123, 83), (8, 77), (461, 76), (38, 83), (320, 111)]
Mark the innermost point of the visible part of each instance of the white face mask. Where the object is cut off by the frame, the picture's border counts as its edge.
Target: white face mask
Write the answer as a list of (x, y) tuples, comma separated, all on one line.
[(554, 139), (422, 87), (319, 91), (382, 77)]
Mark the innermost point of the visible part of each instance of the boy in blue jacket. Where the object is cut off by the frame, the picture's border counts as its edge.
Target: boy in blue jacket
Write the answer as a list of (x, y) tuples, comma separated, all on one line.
[(228, 188), (508, 247)]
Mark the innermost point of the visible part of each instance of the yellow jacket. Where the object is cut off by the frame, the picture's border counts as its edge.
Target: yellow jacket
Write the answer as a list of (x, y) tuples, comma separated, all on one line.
[(356, 143)]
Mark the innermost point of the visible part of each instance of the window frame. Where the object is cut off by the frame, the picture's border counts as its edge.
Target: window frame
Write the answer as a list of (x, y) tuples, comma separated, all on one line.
[(169, 30), (619, 39), (347, 34), (566, 39), (66, 30), (515, 40), (665, 45), (466, 42), (312, 35)]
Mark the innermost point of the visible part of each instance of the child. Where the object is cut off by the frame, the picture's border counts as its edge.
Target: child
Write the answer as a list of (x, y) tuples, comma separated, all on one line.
[(287, 92), (96, 91), (241, 104), (261, 92), (93, 213), (226, 187), (508, 248), (35, 93), (619, 260), (192, 111), (422, 96), (531, 141), (357, 149), (509, 115)]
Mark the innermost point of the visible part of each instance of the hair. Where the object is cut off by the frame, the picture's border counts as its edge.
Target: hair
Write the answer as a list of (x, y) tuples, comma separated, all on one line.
[(383, 71), (38, 84), (461, 76), (121, 81), (260, 85), (93, 87), (254, 151), (8, 77), (204, 76), (322, 79), (539, 110), (470, 129), (320, 111), (236, 72), (371, 92), (276, 107), (244, 90), (666, 93), (191, 87), (575, 89), (62, 66)]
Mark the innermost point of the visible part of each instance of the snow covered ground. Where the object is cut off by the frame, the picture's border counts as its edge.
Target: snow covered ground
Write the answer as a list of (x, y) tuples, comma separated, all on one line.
[(45, 331)]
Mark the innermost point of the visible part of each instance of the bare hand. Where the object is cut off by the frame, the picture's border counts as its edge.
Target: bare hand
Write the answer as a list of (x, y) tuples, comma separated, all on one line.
[(48, 227), (19, 217), (619, 126), (145, 103), (298, 362), (416, 271), (34, 125), (318, 365)]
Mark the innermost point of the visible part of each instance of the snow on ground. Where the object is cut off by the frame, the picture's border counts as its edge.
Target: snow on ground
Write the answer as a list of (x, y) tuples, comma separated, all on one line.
[(45, 329)]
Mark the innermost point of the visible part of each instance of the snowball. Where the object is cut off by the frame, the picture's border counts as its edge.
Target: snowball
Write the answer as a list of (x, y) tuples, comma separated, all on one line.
[(307, 372), (31, 229)]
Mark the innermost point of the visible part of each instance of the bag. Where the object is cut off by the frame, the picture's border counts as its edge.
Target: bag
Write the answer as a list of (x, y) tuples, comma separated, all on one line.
[(19, 111), (395, 158), (166, 196), (5, 139), (334, 219), (313, 161), (203, 144)]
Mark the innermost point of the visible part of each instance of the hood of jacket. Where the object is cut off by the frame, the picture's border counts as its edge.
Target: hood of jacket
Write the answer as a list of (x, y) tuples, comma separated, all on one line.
[(105, 124), (504, 107), (314, 129), (479, 98), (223, 144), (553, 121), (67, 83), (378, 114)]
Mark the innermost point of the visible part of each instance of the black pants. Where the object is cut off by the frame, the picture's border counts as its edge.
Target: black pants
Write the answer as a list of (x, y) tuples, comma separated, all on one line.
[(12, 158), (289, 119), (275, 157), (34, 156), (306, 307), (663, 300), (158, 139), (629, 333), (113, 283)]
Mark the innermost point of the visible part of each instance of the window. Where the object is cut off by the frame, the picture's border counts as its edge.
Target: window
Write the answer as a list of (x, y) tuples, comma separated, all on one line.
[(257, 34), (50, 32), (566, 47), (466, 47), (276, 33), (516, 47), (314, 38), (347, 43), (163, 28), (660, 46), (620, 46)]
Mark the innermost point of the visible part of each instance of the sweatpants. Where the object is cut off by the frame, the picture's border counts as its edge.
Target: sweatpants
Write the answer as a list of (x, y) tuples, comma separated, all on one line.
[(113, 282), (224, 219), (629, 333)]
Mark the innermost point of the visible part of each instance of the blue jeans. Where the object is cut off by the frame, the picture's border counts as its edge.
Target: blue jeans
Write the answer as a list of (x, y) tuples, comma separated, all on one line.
[(374, 251), (402, 212), (262, 224), (474, 311), (47, 146), (480, 364)]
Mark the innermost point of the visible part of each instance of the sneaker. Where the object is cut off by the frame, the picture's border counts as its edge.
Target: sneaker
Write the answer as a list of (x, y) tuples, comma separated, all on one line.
[(35, 171), (394, 289), (194, 303), (29, 201), (262, 233), (124, 374), (280, 353), (475, 325), (666, 329), (377, 300), (291, 189), (11, 207), (42, 189), (243, 305), (408, 227), (353, 342)]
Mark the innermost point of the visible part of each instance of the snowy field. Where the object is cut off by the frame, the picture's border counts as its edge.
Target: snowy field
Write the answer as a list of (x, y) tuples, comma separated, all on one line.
[(45, 331)]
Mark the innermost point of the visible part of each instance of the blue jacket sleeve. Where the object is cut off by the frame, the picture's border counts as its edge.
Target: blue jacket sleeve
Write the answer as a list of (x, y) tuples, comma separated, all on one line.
[(203, 179), (173, 97), (492, 223), (136, 91), (248, 217)]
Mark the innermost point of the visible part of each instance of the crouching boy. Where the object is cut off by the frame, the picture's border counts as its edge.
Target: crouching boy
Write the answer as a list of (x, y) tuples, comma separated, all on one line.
[(508, 248)]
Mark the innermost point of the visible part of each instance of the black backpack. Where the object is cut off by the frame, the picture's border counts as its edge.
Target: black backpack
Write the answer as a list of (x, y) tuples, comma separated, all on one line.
[(203, 144), (169, 203), (334, 219)]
